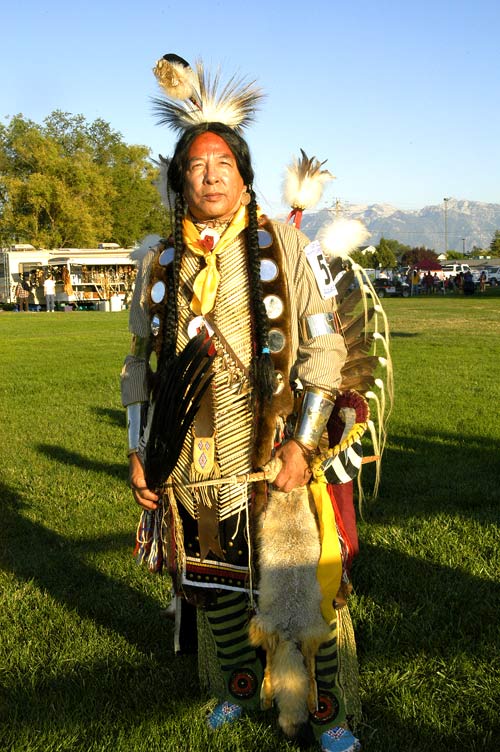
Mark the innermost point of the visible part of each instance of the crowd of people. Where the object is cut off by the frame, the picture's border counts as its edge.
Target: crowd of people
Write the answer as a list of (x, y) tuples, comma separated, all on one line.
[(431, 283)]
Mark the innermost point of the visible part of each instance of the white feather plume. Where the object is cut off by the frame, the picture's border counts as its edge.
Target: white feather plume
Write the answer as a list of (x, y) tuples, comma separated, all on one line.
[(167, 195), (342, 236), (304, 182)]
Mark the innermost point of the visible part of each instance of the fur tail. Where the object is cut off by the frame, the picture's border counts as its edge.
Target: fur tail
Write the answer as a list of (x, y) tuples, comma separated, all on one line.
[(291, 687)]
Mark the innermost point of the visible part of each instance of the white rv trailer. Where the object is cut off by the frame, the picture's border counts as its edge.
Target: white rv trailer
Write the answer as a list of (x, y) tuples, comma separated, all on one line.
[(86, 278)]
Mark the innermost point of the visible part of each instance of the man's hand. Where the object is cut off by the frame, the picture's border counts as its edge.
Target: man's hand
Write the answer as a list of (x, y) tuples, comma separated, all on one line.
[(141, 493), (295, 470)]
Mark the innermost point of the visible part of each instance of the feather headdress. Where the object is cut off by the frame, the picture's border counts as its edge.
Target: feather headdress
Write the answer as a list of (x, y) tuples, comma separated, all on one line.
[(303, 185), (196, 96)]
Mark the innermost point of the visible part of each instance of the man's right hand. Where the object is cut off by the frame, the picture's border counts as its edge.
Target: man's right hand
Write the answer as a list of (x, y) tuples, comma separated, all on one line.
[(141, 493)]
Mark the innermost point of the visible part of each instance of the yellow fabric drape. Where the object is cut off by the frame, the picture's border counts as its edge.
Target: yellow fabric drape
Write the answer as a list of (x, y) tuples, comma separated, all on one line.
[(207, 280), (329, 570)]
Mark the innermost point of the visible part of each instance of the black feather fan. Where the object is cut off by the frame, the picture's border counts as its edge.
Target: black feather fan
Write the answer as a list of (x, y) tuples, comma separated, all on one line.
[(183, 382)]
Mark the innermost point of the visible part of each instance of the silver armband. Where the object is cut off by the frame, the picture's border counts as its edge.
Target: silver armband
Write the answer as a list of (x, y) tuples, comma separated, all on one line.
[(134, 425), (317, 324), (315, 411)]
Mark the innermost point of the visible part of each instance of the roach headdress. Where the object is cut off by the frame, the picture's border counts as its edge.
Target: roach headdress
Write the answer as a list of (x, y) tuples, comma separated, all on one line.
[(193, 96)]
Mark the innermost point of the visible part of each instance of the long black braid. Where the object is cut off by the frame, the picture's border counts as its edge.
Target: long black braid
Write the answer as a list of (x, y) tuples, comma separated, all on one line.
[(171, 313), (262, 364)]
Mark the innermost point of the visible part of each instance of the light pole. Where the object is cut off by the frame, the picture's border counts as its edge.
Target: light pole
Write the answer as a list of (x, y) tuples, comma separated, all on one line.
[(446, 225)]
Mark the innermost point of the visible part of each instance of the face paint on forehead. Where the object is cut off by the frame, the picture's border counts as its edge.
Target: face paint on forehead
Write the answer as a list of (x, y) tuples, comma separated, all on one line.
[(208, 143)]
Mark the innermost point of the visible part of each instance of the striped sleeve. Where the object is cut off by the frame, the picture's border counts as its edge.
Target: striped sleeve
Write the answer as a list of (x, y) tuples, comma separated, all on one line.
[(133, 375), (317, 361)]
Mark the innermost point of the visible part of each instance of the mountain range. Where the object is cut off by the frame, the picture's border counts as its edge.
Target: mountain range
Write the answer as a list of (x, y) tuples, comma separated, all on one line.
[(466, 223)]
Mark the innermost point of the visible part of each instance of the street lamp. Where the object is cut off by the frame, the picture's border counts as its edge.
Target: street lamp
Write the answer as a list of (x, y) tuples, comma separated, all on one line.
[(446, 224)]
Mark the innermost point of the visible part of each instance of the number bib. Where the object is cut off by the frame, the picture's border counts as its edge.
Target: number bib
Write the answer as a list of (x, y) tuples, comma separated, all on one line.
[(318, 264)]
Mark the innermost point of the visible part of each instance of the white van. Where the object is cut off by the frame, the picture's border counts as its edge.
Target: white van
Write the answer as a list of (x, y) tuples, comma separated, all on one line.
[(451, 270)]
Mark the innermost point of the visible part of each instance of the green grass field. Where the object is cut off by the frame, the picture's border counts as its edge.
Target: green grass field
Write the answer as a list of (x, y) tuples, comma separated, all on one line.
[(86, 659)]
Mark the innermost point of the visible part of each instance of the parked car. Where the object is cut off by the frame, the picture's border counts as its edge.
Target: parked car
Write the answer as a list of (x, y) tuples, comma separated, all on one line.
[(493, 275), (392, 287), (451, 270)]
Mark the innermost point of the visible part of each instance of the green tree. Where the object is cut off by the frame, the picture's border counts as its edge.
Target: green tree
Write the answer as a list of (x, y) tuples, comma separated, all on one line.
[(366, 259), (455, 255), (384, 256), (70, 183), (495, 244), (396, 247)]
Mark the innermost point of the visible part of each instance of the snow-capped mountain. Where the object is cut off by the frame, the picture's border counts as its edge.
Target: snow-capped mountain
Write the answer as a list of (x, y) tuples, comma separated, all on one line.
[(467, 223)]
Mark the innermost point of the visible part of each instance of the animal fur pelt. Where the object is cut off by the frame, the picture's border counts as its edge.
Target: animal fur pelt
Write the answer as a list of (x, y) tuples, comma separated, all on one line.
[(289, 624)]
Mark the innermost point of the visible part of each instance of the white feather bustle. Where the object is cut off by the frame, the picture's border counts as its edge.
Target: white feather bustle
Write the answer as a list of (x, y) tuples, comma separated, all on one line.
[(342, 236)]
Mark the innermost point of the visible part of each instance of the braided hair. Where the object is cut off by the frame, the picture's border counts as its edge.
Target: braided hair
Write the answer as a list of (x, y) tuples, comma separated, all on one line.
[(262, 364)]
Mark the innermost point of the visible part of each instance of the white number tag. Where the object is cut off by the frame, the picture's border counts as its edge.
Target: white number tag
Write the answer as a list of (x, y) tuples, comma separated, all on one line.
[(318, 264)]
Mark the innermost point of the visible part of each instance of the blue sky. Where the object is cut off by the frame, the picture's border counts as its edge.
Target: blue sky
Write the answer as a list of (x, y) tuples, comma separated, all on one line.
[(401, 99)]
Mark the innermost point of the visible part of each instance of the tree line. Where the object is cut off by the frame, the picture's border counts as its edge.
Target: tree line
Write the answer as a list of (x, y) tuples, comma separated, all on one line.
[(71, 183), (389, 254)]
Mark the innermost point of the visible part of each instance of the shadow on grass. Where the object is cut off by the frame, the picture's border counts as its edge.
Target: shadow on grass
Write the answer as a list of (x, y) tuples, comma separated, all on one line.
[(405, 335), (51, 562), (417, 612), (34, 553), (113, 416), (67, 457), (441, 471)]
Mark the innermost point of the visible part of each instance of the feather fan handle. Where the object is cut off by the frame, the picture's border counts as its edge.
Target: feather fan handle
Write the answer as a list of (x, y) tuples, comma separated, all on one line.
[(304, 183), (195, 96)]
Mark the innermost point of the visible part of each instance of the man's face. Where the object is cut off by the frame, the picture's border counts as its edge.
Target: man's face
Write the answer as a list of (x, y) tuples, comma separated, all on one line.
[(213, 185)]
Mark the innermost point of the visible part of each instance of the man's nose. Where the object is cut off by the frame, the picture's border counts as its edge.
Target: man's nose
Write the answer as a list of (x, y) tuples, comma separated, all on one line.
[(211, 174)]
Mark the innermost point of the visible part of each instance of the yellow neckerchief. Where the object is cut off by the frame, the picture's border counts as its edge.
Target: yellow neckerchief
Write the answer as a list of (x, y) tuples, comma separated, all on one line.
[(207, 280), (329, 571)]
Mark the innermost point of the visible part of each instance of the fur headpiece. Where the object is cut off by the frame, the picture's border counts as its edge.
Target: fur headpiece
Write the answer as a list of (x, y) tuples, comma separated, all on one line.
[(196, 96)]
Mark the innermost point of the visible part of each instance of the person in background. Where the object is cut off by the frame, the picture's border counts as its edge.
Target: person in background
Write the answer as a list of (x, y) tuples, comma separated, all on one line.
[(415, 282), (49, 289), (22, 294), (482, 281)]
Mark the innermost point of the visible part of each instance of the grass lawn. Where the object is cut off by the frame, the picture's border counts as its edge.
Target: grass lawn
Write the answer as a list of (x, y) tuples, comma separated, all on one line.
[(86, 660)]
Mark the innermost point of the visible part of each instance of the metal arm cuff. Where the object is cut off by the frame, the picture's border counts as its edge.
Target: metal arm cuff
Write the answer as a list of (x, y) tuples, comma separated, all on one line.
[(314, 414), (134, 425), (317, 324)]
